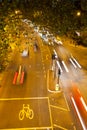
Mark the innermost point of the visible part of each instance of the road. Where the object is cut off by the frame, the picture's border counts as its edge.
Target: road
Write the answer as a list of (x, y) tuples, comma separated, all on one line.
[(51, 110)]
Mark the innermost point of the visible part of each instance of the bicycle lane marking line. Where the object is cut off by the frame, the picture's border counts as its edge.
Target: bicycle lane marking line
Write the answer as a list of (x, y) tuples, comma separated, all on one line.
[(50, 113), (62, 128), (7, 99), (30, 128), (66, 102), (61, 108)]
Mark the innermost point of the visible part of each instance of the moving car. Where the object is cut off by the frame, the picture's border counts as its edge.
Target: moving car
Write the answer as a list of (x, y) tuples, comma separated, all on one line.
[(19, 76)]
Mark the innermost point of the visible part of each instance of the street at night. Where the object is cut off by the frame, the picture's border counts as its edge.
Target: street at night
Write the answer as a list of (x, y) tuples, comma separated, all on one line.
[(43, 83)]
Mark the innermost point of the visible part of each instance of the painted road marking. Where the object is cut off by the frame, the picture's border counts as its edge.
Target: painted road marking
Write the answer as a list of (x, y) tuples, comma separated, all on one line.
[(26, 111), (30, 128), (62, 128), (66, 102), (61, 108), (50, 112), (54, 91), (8, 99), (49, 126)]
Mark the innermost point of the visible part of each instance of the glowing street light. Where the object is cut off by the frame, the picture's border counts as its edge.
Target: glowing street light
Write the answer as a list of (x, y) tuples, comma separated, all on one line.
[(78, 13), (17, 11)]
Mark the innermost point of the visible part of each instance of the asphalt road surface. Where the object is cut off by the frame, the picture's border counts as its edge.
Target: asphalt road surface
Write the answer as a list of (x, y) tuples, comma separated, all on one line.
[(31, 106)]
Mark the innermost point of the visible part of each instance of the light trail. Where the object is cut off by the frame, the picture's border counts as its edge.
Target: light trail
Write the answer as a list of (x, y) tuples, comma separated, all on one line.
[(59, 66), (78, 113), (72, 63), (65, 66), (83, 102), (55, 53), (76, 62)]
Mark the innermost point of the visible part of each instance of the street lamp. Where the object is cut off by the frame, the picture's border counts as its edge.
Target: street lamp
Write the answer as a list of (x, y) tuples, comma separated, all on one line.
[(78, 13)]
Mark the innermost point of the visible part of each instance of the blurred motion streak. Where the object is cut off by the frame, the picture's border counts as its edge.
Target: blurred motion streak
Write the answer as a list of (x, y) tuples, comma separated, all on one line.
[(59, 66), (78, 113), (22, 78), (15, 77), (72, 63), (65, 66), (78, 98), (76, 62)]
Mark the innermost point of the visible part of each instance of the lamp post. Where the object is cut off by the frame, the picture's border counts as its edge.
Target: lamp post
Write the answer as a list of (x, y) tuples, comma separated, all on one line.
[(78, 14)]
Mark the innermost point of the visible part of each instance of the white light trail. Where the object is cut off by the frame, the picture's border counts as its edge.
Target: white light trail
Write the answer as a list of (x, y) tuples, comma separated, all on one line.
[(55, 52), (77, 63), (72, 63), (80, 118), (83, 102), (65, 66), (59, 66)]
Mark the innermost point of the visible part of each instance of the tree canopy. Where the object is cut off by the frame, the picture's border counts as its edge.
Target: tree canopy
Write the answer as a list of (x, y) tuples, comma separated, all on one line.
[(60, 16)]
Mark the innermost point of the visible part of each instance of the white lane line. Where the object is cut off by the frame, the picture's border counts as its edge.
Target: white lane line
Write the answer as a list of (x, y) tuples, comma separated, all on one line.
[(65, 66), (77, 62), (78, 113), (60, 127), (61, 108), (8, 99), (72, 62), (59, 66)]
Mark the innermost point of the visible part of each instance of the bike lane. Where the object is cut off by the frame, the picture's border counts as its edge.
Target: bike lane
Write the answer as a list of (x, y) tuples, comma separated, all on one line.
[(27, 113)]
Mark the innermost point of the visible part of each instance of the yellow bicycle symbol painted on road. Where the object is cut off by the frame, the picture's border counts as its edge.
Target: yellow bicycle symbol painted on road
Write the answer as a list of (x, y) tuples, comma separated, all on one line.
[(26, 111)]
